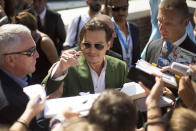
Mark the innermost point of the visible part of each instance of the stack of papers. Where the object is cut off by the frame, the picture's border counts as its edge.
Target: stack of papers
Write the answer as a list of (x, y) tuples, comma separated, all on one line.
[(34, 90), (150, 69), (53, 107), (134, 90), (80, 104)]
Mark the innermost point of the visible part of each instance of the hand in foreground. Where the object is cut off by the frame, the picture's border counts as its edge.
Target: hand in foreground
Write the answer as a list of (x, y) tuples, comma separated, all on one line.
[(156, 91), (35, 105), (69, 114), (187, 91)]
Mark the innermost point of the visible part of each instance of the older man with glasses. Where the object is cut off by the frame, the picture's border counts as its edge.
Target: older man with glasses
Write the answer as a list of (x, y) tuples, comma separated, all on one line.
[(127, 42), (89, 70), (17, 59)]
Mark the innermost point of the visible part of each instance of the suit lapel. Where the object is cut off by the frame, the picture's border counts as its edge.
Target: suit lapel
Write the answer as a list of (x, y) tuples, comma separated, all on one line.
[(109, 77), (85, 79)]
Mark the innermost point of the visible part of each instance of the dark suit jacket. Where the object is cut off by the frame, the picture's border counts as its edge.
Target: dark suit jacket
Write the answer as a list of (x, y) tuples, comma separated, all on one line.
[(79, 78), (154, 49), (55, 29), (136, 43), (13, 102), (12, 98)]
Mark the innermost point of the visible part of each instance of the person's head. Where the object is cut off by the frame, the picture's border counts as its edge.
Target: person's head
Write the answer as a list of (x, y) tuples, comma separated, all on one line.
[(119, 9), (109, 22), (113, 111), (17, 50), (94, 38), (94, 5), (27, 19), (183, 120), (173, 17), (39, 5), (77, 124)]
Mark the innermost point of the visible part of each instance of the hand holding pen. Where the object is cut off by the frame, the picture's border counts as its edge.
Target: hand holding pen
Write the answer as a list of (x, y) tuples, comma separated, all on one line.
[(67, 59)]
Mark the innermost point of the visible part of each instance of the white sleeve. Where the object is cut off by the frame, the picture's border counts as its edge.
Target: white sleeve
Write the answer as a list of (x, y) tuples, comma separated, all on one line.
[(60, 77), (71, 32)]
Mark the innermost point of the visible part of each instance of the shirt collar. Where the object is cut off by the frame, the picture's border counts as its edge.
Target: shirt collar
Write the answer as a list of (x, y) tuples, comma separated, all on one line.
[(104, 67), (42, 15), (21, 82), (178, 42)]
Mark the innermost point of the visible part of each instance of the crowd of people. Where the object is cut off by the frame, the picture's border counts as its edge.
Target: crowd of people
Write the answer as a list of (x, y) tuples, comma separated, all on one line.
[(95, 55)]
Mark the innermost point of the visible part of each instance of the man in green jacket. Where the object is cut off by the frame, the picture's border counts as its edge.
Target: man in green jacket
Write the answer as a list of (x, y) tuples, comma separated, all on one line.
[(88, 70)]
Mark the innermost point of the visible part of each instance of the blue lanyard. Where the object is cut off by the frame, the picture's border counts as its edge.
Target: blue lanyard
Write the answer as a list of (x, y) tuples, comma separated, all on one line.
[(126, 46)]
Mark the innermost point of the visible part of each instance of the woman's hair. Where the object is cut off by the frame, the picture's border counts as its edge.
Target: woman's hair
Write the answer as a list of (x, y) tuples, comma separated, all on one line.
[(183, 120), (27, 19)]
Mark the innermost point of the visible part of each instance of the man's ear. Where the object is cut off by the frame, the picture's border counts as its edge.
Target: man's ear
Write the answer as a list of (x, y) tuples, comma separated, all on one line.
[(186, 21), (108, 45), (9, 60)]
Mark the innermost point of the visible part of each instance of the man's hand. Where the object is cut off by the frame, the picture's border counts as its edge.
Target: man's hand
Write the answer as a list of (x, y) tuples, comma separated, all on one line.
[(68, 59), (58, 93), (187, 91), (155, 93)]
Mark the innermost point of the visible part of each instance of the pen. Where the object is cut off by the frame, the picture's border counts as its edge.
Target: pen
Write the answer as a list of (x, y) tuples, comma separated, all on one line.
[(77, 54), (39, 100), (84, 102)]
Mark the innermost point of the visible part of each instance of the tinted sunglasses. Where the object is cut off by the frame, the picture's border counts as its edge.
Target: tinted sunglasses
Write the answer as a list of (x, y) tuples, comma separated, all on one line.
[(29, 52), (98, 46), (124, 8)]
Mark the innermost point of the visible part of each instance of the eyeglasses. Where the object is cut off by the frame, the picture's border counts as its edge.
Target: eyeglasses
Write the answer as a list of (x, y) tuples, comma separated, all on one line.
[(30, 52), (98, 46), (124, 8)]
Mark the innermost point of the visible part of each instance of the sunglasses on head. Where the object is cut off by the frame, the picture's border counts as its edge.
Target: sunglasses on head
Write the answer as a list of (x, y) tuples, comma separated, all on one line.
[(98, 46), (115, 8), (29, 52)]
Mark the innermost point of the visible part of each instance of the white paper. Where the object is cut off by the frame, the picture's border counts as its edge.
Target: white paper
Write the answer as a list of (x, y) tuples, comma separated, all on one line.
[(78, 104), (134, 90), (34, 90), (150, 69), (141, 103)]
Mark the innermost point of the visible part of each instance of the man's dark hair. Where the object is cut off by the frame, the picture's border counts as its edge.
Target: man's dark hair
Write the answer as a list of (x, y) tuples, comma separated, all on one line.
[(179, 5), (96, 25), (113, 111)]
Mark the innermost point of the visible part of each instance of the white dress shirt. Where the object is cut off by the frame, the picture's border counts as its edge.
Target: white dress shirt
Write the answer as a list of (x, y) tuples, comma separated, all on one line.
[(71, 32), (42, 17), (99, 81), (178, 42), (128, 41)]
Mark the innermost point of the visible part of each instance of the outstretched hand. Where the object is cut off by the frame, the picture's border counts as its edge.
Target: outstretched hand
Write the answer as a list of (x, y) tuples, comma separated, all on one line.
[(156, 91)]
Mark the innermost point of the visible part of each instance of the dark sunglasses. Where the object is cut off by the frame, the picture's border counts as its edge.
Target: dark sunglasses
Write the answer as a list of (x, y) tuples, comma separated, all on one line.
[(98, 46), (124, 8), (29, 52)]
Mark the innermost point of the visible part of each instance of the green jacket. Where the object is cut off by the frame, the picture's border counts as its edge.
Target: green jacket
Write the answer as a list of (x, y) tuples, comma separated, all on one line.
[(79, 78)]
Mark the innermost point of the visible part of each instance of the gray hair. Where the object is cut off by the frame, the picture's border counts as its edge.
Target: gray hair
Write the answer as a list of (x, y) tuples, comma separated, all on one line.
[(10, 38)]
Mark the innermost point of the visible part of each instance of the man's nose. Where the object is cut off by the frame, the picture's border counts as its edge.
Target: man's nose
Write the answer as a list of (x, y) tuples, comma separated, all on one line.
[(36, 55)]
